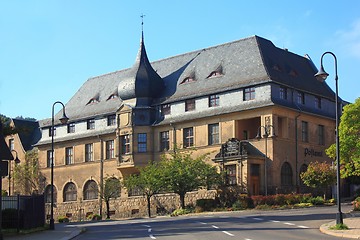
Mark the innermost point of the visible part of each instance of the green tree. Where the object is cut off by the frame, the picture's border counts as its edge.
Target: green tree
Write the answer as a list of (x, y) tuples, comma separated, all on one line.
[(149, 181), (27, 176), (111, 190), (349, 135), (319, 175), (183, 173)]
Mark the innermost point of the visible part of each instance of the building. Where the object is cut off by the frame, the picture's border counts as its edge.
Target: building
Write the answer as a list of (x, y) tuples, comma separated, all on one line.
[(216, 99)]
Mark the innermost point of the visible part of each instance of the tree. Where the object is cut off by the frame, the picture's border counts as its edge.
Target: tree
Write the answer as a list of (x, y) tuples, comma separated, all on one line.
[(27, 175), (319, 175), (149, 181), (184, 174), (349, 135), (111, 190)]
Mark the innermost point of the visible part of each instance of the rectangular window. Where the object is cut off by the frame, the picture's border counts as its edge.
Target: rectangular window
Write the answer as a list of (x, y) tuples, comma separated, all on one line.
[(51, 132), (11, 144), (318, 102), (164, 141), (189, 105), (300, 98), (69, 156), (304, 131), (49, 158), (110, 151), (214, 100), (230, 174), (188, 137), (142, 143), (71, 128), (249, 94), (213, 131), (111, 120), (125, 144), (283, 93), (245, 135), (89, 155), (90, 124), (165, 109), (321, 134)]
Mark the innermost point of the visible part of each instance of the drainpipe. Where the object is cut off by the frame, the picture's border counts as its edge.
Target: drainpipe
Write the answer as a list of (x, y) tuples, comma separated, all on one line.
[(296, 144), (174, 137), (101, 175)]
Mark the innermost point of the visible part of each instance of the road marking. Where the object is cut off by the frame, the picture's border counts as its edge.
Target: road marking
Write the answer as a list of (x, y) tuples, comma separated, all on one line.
[(146, 226), (215, 226), (204, 223), (152, 236), (258, 219), (291, 224), (149, 230), (300, 226), (247, 239), (230, 234)]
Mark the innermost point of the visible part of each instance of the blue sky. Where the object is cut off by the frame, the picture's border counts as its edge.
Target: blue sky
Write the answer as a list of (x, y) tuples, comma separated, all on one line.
[(49, 48)]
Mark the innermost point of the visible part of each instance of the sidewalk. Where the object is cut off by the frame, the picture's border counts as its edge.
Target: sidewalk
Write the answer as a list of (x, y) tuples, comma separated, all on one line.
[(62, 232), (351, 220)]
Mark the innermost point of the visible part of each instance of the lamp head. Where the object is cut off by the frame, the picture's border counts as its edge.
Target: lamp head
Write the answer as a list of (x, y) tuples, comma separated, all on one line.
[(64, 119), (17, 160), (321, 75), (258, 136)]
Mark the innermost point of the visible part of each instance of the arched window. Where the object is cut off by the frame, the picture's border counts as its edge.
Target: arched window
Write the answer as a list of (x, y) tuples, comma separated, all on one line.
[(90, 190), (286, 174), (70, 192), (303, 168), (48, 194)]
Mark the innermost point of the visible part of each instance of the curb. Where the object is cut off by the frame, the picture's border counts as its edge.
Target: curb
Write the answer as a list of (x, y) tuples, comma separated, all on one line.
[(74, 233)]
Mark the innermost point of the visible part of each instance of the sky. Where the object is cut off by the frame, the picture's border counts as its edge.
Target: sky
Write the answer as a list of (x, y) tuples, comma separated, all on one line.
[(49, 48)]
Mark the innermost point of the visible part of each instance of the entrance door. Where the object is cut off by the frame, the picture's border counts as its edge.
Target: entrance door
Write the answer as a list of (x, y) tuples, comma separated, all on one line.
[(255, 179)]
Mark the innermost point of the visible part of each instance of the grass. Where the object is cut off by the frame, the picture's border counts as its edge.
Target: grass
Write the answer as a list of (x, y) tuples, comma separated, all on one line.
[(339, 226)]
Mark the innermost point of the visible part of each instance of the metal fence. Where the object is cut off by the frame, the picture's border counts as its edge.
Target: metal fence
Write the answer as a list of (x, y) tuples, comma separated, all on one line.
[(23, 212)]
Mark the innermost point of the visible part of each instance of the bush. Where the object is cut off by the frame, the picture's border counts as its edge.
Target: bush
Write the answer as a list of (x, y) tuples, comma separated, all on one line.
[(317, 200), (63, 219), (228, 195), (356, 204), (180, 211), (205, 205), (94, 217)]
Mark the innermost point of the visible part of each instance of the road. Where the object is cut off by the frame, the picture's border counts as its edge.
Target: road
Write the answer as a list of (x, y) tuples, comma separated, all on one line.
[(245, 225)]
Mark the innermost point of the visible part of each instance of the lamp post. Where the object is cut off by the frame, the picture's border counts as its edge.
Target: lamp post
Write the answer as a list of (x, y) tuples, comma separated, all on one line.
[(17, 161), (265, 135), (64, 119), (322, 75)]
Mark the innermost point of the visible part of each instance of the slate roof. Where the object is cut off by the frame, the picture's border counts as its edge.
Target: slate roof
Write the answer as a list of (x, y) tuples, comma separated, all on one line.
[(246, 62)]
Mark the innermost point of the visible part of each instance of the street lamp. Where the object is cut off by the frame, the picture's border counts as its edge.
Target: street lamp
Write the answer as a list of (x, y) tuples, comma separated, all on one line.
[(17, 161), (321, 75), (266, 134), (64, 119)]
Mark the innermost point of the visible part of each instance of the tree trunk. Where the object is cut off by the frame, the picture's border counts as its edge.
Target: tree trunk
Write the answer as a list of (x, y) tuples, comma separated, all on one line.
[(107, 209), (148, 198), (182, 200)]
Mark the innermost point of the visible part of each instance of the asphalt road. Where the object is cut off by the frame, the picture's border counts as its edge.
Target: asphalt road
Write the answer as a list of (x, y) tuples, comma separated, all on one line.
[(246, 225)]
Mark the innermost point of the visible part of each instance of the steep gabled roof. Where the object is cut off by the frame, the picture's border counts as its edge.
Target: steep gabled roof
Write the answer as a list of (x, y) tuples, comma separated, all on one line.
[(28, 132)]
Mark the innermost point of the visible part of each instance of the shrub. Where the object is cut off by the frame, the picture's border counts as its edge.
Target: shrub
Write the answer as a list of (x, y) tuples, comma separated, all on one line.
[(317, 200), (356, 204), (96, 217), (180, 211), (63, 219), (205, 204), (228, 195)]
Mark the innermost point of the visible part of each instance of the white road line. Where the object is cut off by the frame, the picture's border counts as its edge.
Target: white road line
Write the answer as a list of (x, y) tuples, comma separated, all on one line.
[(215, 226), (152, 236), (146, 226), (149, 230), (259, 219), (247, 239), (291, 224), (300, 226), (230, 234), (204, 223), (274, 221)]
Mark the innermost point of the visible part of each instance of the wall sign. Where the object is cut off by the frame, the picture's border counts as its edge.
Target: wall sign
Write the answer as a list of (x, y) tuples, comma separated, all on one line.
[(312, 153)]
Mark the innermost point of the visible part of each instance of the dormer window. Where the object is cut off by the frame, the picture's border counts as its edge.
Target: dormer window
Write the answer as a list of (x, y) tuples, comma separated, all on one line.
[(93, 101), (112, 96), (215, 74), (188, 79)]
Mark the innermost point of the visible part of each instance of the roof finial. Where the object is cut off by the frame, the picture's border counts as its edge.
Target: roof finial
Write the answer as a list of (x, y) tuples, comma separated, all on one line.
[(142, 22)]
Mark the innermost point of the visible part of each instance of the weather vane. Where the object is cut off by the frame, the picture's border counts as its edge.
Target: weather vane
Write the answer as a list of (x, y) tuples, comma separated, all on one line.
[(142, 22)]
